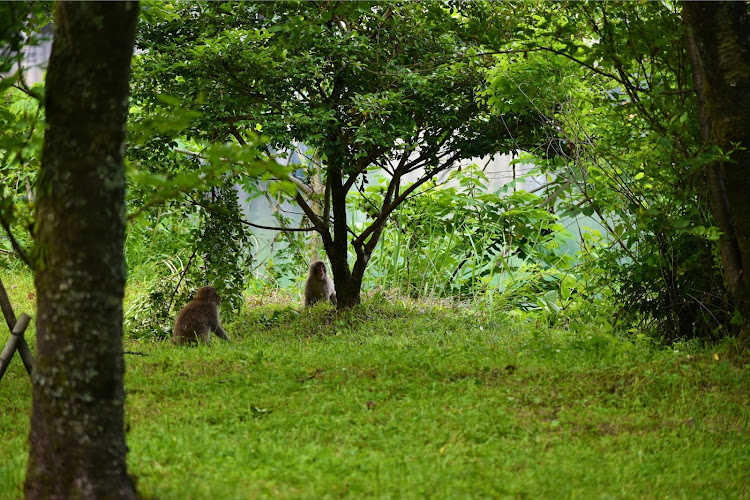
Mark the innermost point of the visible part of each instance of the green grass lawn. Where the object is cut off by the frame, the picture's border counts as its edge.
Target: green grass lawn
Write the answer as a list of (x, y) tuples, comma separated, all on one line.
[(395, 401)]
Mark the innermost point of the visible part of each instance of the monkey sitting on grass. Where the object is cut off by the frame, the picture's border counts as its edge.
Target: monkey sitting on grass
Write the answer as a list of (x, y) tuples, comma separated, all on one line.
[(199, 318), (318, 285)]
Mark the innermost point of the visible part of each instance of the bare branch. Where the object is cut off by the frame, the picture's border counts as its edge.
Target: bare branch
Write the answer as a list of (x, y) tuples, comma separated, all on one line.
[(248, 223), (298, 183)]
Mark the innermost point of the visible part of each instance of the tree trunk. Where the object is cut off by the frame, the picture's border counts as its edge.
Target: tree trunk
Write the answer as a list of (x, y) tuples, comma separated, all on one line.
[(317, 187), (347, 288), (721, 31), (77, 441)]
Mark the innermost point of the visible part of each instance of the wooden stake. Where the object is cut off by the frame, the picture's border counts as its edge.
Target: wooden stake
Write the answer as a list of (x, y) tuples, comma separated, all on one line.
[(10, 347), (10, 319)]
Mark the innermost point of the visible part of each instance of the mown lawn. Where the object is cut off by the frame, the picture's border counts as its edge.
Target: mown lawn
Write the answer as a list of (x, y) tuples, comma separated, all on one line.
[(395, 401)]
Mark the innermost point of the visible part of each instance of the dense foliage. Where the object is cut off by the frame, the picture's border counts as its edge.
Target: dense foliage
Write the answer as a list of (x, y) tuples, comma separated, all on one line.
[(613, 81), (598, 96), (21, 124), (362, 84), (462, 241)]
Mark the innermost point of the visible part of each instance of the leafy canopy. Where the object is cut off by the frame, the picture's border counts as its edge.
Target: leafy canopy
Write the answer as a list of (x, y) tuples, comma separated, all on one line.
[(354, 79)]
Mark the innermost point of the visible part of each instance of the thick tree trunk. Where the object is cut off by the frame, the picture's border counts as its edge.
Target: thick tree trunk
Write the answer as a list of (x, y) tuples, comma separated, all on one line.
[(77, 441), (721, 32)]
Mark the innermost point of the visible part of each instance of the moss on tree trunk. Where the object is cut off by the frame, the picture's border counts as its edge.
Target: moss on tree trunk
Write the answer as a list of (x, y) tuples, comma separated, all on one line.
[(721, 31), (77, 441)]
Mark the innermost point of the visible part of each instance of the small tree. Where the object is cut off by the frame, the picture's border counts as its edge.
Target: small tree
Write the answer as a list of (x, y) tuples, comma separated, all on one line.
[(367, 85), (615, 80)]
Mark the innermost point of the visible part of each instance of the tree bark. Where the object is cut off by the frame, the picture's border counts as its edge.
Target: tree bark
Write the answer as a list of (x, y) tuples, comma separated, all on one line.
[(721, 32), (347, 287), (77, 440), (315, 205)]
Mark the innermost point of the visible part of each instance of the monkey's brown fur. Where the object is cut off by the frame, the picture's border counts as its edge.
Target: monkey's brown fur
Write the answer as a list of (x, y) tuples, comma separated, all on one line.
[(318, 285), (199, 318)]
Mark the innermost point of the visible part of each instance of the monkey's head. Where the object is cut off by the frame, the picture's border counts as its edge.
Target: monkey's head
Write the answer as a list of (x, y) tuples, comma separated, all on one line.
[(318, 269), (207, 294)]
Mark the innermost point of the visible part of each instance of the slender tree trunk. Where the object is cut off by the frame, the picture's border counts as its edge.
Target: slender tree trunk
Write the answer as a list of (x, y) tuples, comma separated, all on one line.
[(348, 282), (317, 186), (721, 34), (77, 441), (347, 287)]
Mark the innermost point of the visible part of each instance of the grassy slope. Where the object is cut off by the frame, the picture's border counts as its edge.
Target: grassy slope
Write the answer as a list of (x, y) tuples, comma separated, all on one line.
[(402, 402)]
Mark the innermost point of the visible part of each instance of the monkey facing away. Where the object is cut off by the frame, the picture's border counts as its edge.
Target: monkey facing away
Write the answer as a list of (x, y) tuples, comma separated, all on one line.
[(318, 285), (199, 318)]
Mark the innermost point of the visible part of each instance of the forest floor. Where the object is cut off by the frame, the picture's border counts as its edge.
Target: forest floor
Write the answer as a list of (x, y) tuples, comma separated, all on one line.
[(402, 400)]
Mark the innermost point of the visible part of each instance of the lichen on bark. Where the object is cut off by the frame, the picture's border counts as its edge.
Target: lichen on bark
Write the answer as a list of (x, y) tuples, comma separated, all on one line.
[(77, 440)]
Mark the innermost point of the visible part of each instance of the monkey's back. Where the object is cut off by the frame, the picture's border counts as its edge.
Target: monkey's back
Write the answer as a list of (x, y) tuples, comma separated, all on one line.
[(195, 321)]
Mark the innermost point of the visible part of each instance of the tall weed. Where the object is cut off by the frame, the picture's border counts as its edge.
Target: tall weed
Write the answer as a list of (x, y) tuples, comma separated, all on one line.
[(459, 240)]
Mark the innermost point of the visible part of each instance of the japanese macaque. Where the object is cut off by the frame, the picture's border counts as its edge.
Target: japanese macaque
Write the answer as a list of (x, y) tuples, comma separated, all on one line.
[(318, 285), (199, 318)]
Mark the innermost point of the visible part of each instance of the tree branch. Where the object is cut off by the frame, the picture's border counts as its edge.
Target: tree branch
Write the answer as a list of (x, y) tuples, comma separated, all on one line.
[(21, 253), (248, 223)]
